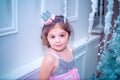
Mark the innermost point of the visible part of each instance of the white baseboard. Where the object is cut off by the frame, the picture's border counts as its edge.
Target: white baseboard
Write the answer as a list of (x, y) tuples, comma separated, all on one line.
[(21, 71)]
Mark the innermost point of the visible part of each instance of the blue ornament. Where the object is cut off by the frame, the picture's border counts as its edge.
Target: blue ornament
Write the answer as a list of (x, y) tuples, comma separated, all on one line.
[(118, 60)]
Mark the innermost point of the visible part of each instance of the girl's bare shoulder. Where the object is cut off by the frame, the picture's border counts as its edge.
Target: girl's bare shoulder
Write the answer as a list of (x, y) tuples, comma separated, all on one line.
[(49, 58)]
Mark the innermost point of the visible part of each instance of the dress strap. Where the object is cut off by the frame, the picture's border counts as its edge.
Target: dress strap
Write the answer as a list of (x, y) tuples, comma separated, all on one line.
[(71, 52), (70, 48), (54, 54)]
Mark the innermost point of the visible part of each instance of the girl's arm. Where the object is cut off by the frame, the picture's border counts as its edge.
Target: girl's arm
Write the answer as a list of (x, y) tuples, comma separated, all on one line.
[(47, 67)]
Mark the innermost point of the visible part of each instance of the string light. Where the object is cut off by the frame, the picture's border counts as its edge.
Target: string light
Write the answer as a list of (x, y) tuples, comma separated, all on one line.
[(108, 19), (91, 19), (91, 16), (65, 10)]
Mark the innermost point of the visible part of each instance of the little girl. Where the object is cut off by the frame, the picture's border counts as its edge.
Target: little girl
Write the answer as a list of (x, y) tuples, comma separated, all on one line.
[(58, 63)]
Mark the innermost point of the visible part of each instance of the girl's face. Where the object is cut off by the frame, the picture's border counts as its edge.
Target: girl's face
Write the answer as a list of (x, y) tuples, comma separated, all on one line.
[(58, 38)]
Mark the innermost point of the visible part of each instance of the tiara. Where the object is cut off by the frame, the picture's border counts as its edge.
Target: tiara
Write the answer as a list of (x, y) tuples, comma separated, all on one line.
[(47, 17)]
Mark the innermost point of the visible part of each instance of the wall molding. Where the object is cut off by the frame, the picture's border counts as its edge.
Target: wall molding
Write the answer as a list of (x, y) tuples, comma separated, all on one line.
[(13, 28), (22, 70), (76, 8)]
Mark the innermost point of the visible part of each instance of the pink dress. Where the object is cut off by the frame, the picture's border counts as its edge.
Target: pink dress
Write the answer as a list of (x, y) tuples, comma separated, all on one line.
[(65, 70)]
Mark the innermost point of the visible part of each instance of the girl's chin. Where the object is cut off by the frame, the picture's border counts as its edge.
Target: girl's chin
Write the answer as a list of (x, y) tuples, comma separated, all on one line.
[(59, 49)]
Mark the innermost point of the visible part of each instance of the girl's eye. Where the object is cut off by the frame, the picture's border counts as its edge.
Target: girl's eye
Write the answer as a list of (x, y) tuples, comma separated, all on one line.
[(52, 36), (62, 35)]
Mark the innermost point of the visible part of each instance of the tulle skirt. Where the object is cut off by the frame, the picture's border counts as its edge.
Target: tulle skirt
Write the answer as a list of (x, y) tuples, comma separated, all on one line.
[(70, 75)]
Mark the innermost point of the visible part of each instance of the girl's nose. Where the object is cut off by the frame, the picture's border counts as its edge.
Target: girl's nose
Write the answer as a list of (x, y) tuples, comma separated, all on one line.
[(57, 40)]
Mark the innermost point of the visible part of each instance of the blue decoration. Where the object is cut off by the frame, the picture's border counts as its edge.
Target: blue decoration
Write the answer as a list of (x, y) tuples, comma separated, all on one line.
[(118, 60)]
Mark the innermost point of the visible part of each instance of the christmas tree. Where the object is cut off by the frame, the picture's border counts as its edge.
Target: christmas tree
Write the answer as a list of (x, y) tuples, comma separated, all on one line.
[(109, 64)]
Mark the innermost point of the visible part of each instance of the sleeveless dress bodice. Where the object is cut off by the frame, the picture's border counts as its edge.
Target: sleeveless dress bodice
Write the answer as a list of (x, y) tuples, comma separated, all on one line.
[(63, 67), (65, 70)]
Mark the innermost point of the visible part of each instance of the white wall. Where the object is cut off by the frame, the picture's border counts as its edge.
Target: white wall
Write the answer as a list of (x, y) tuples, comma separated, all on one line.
[(24, 47), (20, 51)]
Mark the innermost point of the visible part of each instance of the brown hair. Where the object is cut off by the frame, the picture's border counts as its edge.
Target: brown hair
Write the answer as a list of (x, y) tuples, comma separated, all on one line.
[(46, 28)]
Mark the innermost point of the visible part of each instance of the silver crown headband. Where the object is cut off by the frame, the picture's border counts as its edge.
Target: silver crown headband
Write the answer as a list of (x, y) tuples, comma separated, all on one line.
[(47, 17)]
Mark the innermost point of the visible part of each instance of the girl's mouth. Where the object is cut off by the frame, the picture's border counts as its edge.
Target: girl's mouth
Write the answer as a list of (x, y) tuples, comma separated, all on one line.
[(58, 45)]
